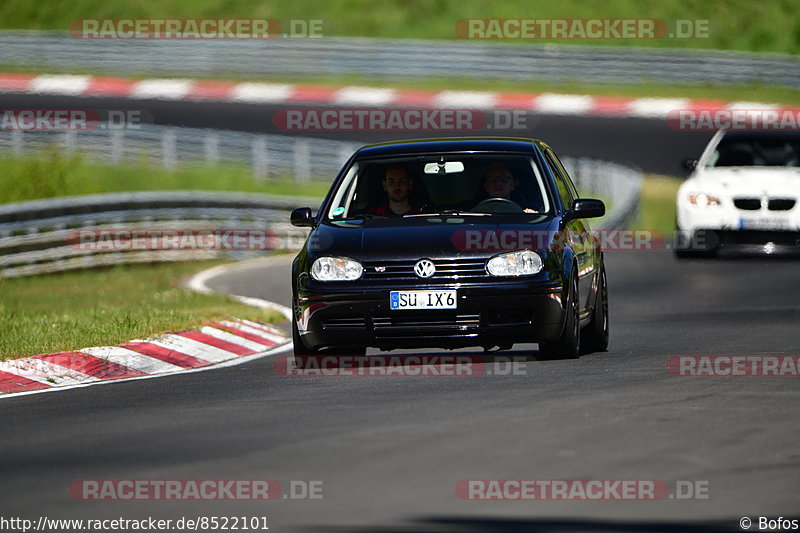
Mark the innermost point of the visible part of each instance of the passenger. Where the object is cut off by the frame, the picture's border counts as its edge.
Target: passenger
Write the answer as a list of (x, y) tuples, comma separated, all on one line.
[(398, 184)]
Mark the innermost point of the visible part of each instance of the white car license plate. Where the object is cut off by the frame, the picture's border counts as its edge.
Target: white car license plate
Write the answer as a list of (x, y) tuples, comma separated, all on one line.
[(765, 223), (422, 300)]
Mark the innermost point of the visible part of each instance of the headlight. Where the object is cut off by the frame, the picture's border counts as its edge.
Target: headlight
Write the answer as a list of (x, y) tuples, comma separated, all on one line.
[(336, 269), (704, 200), (522, 263)]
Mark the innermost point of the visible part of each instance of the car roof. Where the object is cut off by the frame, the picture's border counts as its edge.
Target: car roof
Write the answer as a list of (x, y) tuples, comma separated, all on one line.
[(450, 144)]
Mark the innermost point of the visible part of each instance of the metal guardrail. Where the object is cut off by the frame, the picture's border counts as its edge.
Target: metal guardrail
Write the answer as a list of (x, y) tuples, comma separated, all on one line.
[(266, 155), (39, 237), (397, 59), (269, 155), (42, 236)]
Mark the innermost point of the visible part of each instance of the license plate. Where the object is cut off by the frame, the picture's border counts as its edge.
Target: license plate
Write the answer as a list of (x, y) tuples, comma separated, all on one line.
[(765, 223), (422, 300)]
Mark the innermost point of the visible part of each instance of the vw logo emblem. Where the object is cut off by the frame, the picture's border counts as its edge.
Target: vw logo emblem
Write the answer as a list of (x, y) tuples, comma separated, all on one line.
[(424, 268)]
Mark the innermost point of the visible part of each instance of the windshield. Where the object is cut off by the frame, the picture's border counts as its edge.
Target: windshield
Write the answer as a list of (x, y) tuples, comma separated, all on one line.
[(480, 185), (757, 151)]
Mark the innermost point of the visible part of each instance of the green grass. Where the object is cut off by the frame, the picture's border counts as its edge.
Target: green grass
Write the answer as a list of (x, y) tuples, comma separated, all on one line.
[(735, 24), (49, 174), (101, 307), (657, 204)]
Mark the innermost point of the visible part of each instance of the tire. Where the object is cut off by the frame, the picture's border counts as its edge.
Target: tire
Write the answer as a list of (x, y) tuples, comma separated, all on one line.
[(302, 354), (594, 337), (567, 346)]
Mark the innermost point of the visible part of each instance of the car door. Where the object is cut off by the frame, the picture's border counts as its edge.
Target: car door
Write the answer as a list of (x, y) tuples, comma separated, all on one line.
[(577, 231)]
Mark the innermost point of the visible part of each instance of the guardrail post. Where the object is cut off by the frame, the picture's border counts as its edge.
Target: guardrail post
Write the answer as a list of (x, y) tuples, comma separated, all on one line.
[(345, 151), (211, 147), (260, 159), (168, 149), (69, 142), (17, 142), (302, 160), (117, 145)]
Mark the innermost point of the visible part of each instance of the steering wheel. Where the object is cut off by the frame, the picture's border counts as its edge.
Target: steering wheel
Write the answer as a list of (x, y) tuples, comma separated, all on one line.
[(498, 205)]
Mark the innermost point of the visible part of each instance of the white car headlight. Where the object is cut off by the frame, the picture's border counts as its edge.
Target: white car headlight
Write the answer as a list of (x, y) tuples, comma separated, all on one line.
[(522, 263), (704, 200), (336, 269)]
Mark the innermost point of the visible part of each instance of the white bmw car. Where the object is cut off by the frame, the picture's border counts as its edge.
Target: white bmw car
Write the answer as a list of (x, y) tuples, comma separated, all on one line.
[(744, 192)]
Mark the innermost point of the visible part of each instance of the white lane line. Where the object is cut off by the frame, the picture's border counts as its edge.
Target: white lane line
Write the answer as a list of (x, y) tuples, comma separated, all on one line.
[(162, 89), (45, 372), (465, 99), (369, 96), (194, 348), (751, 106), (58, 84), (261, 92), (268, 335), (131, 359), (198, 282), (263, 327), (234, 339), (656, 107), (563, 104)]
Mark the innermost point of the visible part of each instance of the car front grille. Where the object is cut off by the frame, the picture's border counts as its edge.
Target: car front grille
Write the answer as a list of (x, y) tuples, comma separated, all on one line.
[(781, 204), (446, 270), (773, 204), (344, 323), (457, 322), (747, 204)]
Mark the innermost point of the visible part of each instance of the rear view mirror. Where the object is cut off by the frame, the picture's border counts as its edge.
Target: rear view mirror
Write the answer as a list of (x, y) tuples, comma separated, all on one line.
[(302, 218), (449, 167)]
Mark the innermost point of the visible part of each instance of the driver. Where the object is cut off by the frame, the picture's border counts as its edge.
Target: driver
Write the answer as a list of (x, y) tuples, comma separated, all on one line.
[(398, 184), (498, 182)]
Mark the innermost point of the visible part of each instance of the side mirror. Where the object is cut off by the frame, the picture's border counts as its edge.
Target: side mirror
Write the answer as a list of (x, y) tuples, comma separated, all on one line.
[(586, 208), (302, 218), (689, 163)]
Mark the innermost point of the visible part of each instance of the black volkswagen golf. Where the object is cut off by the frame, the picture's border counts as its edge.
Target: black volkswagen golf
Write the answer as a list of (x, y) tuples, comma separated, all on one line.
[(450, 243)]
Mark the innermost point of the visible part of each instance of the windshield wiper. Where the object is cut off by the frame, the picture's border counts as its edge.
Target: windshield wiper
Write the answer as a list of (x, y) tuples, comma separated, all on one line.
[(360, 216), (450, 212)]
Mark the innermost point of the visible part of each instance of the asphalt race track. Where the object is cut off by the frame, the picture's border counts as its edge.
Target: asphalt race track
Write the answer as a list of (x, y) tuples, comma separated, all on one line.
[(390, 451), (647, 143)]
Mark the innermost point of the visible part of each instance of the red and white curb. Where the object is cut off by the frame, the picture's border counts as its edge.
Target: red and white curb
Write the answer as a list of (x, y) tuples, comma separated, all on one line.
[(169, 353), (277, 93)]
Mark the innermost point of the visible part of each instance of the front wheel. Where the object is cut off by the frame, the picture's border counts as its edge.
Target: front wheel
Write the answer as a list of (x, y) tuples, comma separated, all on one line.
[(568, 344), (306, 357), (595, 335)]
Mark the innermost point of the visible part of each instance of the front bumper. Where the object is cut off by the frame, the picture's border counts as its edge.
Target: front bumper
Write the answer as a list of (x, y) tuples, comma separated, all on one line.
[(495, 315)]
